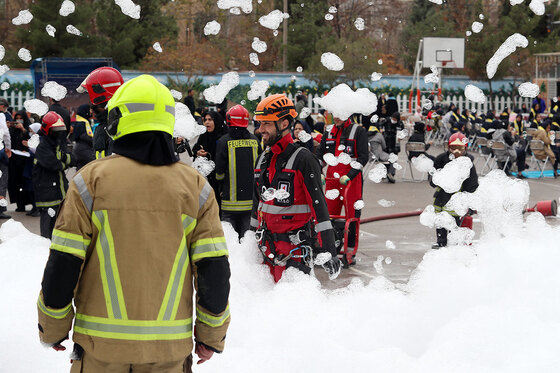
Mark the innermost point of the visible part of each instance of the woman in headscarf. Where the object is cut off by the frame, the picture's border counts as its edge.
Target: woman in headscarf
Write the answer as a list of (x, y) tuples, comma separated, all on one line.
[(20, 187), (299, 127), (206, 144)]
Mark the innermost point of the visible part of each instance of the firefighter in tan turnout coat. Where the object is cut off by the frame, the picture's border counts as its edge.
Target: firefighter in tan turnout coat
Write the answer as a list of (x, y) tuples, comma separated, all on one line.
[(137, 236)]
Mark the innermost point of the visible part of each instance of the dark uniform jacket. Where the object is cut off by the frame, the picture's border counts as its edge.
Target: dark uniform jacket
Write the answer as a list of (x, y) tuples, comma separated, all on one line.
[(49, 181), (102, 142), (236, 154), (441, 197)]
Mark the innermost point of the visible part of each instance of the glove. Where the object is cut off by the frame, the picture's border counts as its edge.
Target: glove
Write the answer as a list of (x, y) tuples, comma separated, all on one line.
[(323, 179), (331, 264), (332, 267), (344, 180)]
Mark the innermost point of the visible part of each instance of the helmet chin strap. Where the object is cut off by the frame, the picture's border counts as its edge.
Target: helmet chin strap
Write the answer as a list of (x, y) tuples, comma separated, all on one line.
[(278, 133)]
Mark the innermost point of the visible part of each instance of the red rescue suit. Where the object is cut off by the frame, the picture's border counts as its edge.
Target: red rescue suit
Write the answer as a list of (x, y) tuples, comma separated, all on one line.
[(282, 221), (350, 139)]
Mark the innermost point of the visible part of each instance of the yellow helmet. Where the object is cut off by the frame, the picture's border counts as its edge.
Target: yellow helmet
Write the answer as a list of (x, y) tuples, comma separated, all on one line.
[(139, 105)]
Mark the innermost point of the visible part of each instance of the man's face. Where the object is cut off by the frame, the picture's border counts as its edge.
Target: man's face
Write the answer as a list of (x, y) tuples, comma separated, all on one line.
[(269, 132), (457, 150), (3, 108), (338, 122)]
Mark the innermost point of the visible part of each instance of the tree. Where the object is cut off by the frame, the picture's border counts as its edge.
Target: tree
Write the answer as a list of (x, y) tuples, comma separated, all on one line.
[(306, 27), (127, 40), (35, 37)]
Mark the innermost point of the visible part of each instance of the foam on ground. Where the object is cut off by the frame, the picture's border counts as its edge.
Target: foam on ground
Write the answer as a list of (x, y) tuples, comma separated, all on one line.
[(489, 307)]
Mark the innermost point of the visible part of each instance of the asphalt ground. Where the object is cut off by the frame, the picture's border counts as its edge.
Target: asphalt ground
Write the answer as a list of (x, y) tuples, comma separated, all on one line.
[(411, 240)]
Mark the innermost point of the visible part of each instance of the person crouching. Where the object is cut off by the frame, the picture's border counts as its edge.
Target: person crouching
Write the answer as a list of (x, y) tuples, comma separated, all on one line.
[(457, 148)]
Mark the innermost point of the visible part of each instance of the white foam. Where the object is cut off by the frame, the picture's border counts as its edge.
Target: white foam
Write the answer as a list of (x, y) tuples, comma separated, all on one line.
[(342, 101), (245, 5), (217, 93), (23, 18), (212, 28), (528, 89), (67, 8), (36, 106), (51, 30), (332, 62), (54, 90), (254, 59), (185, 124), (24, 54), (360, 24), (273, 19), (477, 27), (258, 45), (475, 94), (73, 30), (508, 47), (258, 89), (451, 176), (129, 8)]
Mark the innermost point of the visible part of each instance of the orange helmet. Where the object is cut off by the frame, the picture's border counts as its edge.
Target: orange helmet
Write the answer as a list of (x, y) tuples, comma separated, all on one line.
[(275, 107), (458, 139)]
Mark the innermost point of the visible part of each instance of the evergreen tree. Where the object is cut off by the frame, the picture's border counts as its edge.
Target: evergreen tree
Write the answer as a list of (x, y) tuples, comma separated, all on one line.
[(306, 27), (127, 40), (35, 37)]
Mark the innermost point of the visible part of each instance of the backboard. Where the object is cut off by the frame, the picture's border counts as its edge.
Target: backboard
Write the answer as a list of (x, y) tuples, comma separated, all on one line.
[(446, 53)]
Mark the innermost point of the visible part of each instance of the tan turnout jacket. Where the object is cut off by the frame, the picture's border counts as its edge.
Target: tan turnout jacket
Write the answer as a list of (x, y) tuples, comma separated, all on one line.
[(141, 230)]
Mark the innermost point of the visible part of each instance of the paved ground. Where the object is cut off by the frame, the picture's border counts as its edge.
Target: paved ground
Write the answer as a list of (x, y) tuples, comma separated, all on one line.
[(411, 239)]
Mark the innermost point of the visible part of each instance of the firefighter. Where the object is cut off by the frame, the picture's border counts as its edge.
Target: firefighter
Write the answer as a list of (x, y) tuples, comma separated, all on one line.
[(457, 147), (236, 154), (289, 206), (137, 231), (349, 139), (101, 84), (50, 162)]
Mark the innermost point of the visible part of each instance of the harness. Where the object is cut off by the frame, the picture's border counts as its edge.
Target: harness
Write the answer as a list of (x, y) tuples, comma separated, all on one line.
[(303, 237)]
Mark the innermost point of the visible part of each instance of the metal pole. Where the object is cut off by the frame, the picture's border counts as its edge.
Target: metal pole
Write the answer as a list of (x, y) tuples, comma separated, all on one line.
[(285, 38)]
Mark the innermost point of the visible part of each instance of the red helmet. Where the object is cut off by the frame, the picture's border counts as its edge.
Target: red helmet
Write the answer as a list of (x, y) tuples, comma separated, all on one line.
[(458, 139), (237, 116), (101, 84), (52, 122)]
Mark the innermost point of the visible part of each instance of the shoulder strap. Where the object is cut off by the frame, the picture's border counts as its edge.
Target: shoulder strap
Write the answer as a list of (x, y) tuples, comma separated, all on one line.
[(353, 131), (292, 159)]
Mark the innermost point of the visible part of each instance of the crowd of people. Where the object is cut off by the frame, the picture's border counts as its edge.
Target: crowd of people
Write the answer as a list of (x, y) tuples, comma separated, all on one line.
[(288, 181)]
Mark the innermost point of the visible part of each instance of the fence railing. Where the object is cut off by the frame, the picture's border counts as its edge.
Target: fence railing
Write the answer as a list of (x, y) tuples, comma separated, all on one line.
[(498, 104), (16, 99)]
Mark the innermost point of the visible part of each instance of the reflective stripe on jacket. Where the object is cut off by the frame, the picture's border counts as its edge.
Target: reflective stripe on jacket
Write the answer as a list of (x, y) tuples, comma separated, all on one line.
[(145, 235)]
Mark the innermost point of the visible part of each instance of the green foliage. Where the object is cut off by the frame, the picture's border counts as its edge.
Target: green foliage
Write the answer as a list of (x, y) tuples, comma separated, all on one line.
[(35, 38), (127, 40), (17, 87), (113, 34), (306, 28)]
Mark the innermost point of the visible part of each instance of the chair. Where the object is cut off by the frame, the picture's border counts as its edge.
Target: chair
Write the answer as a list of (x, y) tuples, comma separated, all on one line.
[(413, 147), (499, 150), (531, 132), (485, 151), (538, 145)]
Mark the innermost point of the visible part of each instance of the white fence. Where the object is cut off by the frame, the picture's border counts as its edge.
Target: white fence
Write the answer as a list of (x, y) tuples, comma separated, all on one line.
[(498, 104), (16, 99)]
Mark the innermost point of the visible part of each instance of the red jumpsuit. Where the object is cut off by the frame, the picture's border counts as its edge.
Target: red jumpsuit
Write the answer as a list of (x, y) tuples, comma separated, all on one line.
[(294, 169), (354, 141)]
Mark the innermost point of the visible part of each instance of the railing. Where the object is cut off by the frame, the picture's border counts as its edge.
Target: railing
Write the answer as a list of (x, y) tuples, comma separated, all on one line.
[(16, 99), (498, 104)]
